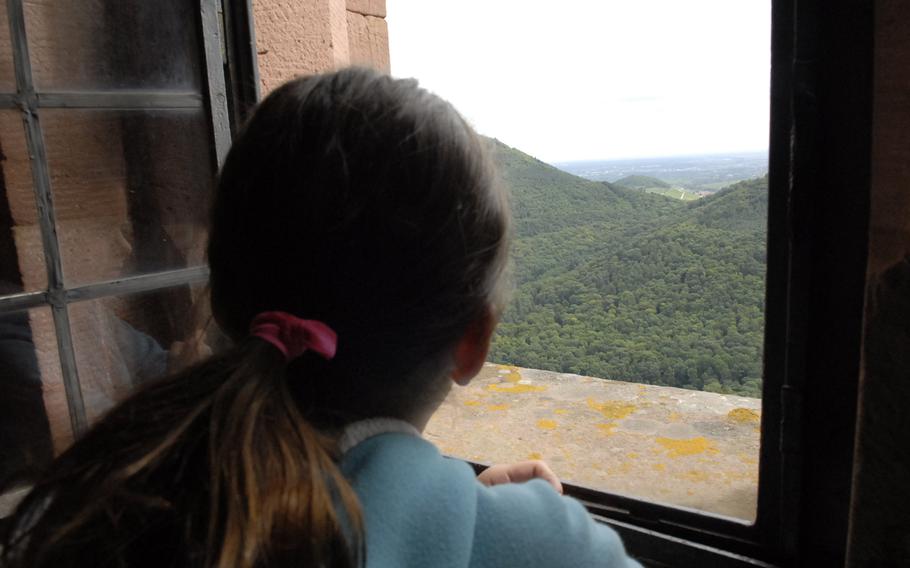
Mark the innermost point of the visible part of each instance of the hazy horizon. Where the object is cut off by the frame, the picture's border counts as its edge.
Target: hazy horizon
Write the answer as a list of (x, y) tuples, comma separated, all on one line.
[(664, 157), (601, 81)]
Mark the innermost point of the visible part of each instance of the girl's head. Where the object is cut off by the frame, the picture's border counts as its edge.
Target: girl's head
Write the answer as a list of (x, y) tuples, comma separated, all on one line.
[(350, 198), (369, 204)]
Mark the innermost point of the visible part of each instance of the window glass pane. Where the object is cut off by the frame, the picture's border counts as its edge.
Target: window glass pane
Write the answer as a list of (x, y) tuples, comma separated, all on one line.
[(131, 190), (114, 44), (630, 355), (7, 73), (31, 393), (123, 341), (22, 265)]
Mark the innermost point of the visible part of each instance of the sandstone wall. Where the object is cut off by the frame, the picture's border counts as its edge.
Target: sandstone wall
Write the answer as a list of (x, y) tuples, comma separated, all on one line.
[(298, 38)]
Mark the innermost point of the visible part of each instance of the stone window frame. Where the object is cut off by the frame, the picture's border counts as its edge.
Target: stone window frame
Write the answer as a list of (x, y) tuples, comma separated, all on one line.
[(230, 88)]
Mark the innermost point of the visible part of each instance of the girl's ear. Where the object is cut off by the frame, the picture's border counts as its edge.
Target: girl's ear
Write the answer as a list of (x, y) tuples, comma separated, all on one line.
[(472, 349)]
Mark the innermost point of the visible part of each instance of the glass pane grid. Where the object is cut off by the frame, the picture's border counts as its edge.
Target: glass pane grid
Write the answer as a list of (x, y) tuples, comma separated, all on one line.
[(163, 158), (122, 342), (116, 45), (132, 197)]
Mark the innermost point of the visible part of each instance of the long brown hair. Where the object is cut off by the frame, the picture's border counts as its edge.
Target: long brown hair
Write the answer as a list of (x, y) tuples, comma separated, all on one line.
[(352, 198)]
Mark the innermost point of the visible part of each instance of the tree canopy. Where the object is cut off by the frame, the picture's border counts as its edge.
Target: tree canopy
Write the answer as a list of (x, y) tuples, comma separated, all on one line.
[(622, 284)]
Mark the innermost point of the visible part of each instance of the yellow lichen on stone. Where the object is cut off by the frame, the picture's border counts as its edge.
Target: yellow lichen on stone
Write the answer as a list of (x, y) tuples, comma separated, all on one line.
[(697, 476), (497, 407), (687, 446), (631, 455), (748, 459), (546, 424), (620, 469), (612, 409), (560, 411), (744, 416), (472, 403), (515, 388), (607, 427), (674, 417), (512, 376), (659, 466), (535, 456)]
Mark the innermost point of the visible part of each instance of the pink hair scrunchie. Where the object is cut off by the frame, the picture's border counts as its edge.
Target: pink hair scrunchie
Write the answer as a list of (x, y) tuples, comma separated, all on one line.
[(294, 336)]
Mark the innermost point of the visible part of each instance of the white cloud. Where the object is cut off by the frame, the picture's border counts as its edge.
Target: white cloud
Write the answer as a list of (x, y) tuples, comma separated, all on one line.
[(595, 79)]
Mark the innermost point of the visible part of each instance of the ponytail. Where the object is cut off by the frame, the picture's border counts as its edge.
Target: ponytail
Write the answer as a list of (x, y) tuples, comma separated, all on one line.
[(350, 197), (215, 466)]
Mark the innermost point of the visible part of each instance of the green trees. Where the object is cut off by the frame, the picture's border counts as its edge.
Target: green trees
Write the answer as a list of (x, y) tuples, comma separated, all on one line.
[(621, 284)]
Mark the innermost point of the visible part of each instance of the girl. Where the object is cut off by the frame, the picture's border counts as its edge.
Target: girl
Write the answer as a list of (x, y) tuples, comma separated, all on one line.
[(357, 250)]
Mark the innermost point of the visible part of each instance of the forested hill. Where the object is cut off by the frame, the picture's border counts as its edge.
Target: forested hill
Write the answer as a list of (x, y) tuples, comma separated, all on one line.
[(547, 199), (641, 182), (621, 284)]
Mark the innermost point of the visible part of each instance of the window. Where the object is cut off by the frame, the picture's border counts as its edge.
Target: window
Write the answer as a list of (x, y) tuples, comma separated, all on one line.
[(630, 356), (800, 231), (113, 119)]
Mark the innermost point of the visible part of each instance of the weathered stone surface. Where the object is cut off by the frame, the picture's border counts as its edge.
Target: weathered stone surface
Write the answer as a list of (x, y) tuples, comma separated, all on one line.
[(299, 38), (686, 448), (368, 39), (368, 7)]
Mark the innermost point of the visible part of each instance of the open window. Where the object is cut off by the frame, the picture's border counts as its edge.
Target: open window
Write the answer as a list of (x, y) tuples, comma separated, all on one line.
[(543, 395)]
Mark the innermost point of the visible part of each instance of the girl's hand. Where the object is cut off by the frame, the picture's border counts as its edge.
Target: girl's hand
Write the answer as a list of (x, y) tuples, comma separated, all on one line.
[(519, 473)]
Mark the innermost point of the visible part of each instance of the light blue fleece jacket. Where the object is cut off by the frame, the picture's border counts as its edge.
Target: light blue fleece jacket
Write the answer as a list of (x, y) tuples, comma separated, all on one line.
[(428, 511)]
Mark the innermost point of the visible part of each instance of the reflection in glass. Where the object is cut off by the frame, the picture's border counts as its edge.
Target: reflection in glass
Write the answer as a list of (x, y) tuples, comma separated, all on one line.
[(114, 44), (131, 190), (29, 389), (122, 342), (22, 265)]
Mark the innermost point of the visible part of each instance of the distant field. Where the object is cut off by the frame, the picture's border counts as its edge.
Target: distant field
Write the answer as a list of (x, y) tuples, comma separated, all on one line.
[(694, 173), (674, 193)]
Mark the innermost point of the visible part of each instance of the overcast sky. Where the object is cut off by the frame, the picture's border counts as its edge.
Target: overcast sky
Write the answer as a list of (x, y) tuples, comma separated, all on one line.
[(595, 79)]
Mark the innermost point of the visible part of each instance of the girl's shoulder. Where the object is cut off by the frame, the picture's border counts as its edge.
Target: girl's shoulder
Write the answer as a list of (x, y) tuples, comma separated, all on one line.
[(419, 508), (424, 509)]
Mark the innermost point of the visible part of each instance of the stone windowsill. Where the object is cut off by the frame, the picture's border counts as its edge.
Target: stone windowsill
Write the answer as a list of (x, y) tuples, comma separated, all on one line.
[(681, 447)]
